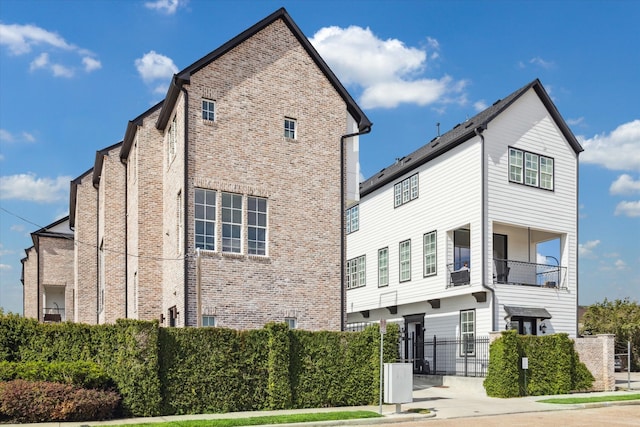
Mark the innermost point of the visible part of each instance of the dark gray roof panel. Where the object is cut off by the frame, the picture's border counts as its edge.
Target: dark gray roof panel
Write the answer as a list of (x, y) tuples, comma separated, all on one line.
[(461, 133), (536, 312)]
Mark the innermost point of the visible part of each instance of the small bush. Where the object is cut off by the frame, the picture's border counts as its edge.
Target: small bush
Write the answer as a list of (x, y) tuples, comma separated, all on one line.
[(81, 374), (38, 401)]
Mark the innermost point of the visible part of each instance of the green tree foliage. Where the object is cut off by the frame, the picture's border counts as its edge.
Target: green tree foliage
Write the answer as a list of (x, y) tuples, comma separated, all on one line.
[(619, 317)]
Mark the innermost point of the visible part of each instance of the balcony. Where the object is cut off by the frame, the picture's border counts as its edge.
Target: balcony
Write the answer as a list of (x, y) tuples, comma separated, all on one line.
[(522, 273), (53, 314)]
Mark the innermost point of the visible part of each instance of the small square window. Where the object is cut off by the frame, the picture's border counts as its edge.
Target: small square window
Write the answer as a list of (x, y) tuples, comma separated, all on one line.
[(290, 126), (208, 110), (209, 321), (291, 322)]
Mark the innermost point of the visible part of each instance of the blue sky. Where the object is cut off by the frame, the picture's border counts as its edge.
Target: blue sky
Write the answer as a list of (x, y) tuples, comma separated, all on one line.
[(72, 73)]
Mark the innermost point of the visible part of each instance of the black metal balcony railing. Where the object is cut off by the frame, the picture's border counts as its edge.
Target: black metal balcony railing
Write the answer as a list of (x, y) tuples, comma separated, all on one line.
[(512, 272), (53, 314), (529, 274)]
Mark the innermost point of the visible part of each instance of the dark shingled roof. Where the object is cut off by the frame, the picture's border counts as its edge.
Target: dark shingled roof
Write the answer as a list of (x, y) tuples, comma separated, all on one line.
[(461, 133)]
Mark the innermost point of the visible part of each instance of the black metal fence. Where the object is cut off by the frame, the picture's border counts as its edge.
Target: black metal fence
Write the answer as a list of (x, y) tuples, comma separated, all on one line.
[(435, 355)]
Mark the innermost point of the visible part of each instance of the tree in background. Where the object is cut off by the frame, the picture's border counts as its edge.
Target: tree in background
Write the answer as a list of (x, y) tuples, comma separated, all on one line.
[(619, 317)]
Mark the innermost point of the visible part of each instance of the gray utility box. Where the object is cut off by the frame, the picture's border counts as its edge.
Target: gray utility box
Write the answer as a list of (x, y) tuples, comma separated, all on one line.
[(398, 383)]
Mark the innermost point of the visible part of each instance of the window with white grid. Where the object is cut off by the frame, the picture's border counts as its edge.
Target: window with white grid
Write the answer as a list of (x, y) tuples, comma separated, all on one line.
[(430, 255), (257, 226), (405, 191), (353, 219), (231, 222), (205, 219), (290, 128), (383, 267), (405, 261), (356, 272), (208, 110)]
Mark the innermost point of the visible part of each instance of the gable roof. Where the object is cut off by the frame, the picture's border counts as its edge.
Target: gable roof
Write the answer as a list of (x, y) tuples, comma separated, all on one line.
[(184, 76), (463, 132), (48, 231)]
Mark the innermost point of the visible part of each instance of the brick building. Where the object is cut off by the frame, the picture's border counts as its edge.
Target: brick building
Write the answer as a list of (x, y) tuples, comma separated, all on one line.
[(223, 204)]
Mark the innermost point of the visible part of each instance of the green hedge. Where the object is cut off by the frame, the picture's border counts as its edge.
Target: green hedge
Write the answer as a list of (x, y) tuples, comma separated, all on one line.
[(553, 366), (127, 352), (163, 371)]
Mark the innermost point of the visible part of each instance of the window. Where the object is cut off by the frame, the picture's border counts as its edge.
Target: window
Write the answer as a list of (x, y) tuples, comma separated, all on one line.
[(406, 190), (467, 332), (356, 272), (208, 110), (405, 261), (353, 219), (383, 267), (530, 169), (290, 128), (291, 322), (430, 258), (205, 216), (208, 321), (257, 226), (231, 222), (461, 248), (546, 173), (173, 140)]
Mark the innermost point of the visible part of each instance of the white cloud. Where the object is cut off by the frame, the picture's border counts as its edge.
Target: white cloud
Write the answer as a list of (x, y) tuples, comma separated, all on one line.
[(5, 267), (480, 105), (23, 39), (40, 62), (17, 228), (541, 62), (575, 122), (389, 72), (20, 39), (154, 66), (625, 185), (6, 136), (620, 264), (165, 6), (630, 209), (91, 64), (586, 249), (619, 150), (31, 188), (58, 70)]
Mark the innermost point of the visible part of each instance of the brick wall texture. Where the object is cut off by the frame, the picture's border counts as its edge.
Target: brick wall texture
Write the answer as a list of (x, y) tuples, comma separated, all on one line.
[(140, 220), (597, 353), (86, 253)]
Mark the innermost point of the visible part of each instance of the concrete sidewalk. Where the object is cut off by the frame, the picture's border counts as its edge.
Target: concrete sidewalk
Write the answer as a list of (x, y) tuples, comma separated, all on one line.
[(456, 398)]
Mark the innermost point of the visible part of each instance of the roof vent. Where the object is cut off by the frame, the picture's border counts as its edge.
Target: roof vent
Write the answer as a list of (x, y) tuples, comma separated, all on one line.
[(407, 160), (496, 102), (468, 125), (457, 126)]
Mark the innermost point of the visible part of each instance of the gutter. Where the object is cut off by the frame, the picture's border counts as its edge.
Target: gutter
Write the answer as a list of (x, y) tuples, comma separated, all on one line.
[(483, 230), (343, 241)]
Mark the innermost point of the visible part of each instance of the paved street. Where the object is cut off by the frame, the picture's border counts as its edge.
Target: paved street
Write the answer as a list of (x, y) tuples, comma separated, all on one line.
[(612, 416)]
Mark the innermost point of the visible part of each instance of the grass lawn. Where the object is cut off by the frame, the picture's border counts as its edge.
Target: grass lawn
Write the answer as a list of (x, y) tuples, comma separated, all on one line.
[(595, 399), (268, 419)]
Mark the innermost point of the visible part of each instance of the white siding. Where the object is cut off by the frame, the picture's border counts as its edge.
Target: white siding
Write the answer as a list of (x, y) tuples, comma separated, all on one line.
[(449, 197)]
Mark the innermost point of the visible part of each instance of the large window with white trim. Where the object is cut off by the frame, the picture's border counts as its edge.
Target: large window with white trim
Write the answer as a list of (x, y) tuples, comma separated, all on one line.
[(383, 267), (531, 169), (353, 219), (430, 254), (405, 261), (405, 190), (257, 226), (205, 219), (356, 272), (231, 223), (467, 332)]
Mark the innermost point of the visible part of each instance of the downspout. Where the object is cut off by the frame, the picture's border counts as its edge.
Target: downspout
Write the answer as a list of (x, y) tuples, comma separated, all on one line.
[(185, 199), (97, 254), (576, 243), (483, 229), (343, 242), (126, 238)]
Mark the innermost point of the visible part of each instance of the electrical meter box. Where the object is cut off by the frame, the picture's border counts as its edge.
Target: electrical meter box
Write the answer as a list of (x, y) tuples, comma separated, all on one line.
[(398, 382)]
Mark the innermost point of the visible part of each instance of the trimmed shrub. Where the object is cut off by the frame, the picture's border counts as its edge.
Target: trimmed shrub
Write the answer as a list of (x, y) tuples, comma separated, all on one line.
[(81, 374), (38, 401), (553, 366)]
